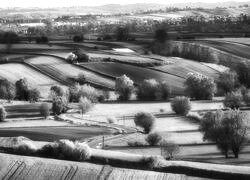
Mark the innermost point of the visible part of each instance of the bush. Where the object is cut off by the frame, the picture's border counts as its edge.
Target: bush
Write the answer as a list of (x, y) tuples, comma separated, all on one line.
[(25, 148), (59, 105), (227, 129), (81, 55), (7, 90), (111, 120), (181, 105), (77, 91), (200, 87), (169, 149), (153, 139), (3, 113), (227, 81), (33, 95), (161, 35), (56, 91), (149, 90), (85, 105), (124, 87), (65, 149), (42, 39), (45, 110), (9, 38), (233, 100), (243, 71), (135, 143), (22, 89), (78, 38), (145, 120)]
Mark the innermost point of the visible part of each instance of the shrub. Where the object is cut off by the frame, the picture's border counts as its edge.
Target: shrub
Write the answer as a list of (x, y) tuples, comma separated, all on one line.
[(153, 139), (42, 39), (124, 87), (200, 87), (233, 100), (165, 90), (227, 129), (181, 105), (22, 90), (161, 35), (7, 90), (57, 91), (243, 71), (65, 149), (59, 105), (85, 105), (148, 90), (169, 149), (78, 38), (9, 37), (3, 114), (33, 95), (111, 120), (122, 34), (145, 120), (77, 91), (45, 110), (81, 55), (227, 81), (71, 58), (81, 79), (135, 143), (25, 148)]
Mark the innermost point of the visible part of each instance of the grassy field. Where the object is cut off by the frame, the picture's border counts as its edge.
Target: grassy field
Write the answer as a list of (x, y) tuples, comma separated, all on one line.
[(137, 74), (234, 40), (63, 71), (31, 168), (55, 133), (233, 48), (15, 71)]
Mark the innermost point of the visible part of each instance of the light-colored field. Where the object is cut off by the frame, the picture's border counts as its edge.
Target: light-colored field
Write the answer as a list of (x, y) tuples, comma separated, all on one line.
[(137, 74), (124, 109), (15, 71), (60, 69), (33, 47), (182, 67), (235, 40)]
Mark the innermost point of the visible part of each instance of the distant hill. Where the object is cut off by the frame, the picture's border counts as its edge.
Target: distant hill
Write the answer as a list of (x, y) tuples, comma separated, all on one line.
[(36, 12)]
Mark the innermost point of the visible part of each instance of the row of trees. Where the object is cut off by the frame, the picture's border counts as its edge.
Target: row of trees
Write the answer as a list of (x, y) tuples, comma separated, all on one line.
[(20, 91)]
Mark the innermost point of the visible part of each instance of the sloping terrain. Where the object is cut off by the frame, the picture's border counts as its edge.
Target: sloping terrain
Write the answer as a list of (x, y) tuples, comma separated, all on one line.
[(137, 74), (31, 168), (181, 67), (15, 71)]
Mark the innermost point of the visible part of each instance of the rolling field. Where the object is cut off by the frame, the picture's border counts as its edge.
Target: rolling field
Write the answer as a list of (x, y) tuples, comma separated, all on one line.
[(55, 133), (63, 71), (234, 40), (181, 67), (137, 74), (233, 48), (15, 71), (30, 168)]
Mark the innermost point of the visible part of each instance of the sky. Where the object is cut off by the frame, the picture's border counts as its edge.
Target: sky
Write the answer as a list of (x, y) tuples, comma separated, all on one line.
[(67, 3)]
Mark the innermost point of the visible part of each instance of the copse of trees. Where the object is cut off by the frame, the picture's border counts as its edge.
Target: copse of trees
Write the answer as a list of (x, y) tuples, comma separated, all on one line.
[(85, 105), (150, 89), (144, 120), (122, 34), (7, 90), (243, 71), (3, 114), (200, 87), (78, 38), (124, 87), (33, 95), (234, 100), (227, 129), (181, 105), (22, 89), (161, 35), (228, 81), (56, 91), (9, 37), (59, 105), (42, 39)]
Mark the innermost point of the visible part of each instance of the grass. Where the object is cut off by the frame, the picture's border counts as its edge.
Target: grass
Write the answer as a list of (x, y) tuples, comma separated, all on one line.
[(181, 67), (234, 40), (55, 133), (137, 74), (15, 71)]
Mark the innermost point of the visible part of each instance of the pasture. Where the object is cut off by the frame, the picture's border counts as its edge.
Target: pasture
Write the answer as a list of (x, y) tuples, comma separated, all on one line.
[(137, 74), (15, 71)]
